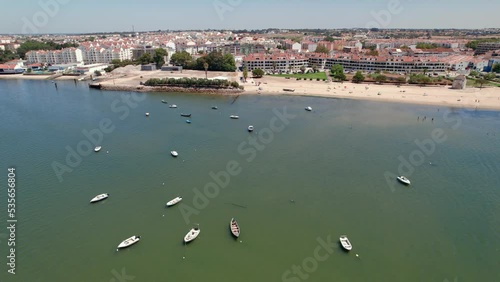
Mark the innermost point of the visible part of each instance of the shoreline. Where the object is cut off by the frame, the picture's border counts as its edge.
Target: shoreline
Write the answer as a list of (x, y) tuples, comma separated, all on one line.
[(130, 78)]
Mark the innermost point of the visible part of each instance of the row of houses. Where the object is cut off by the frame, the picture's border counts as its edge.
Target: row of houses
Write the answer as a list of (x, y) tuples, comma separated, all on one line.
[(287, 63)]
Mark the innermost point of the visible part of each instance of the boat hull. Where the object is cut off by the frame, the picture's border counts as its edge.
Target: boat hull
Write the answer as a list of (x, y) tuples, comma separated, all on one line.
[(129, 242), (234, 228)]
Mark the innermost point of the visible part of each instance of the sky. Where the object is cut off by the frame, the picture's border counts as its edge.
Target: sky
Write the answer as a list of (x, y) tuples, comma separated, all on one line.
[(76, 16)]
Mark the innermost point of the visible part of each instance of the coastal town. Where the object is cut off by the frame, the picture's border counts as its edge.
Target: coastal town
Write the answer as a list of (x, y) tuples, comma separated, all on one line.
[(268, 61)]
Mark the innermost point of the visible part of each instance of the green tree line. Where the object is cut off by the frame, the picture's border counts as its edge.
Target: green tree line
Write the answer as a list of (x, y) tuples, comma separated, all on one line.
[(192, 82), (215, 60), (34, 45)]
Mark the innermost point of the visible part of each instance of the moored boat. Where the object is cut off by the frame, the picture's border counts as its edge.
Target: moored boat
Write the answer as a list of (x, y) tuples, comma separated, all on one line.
[(214, 108), (97, 149), (344, 241), (129, 242), (164, 102), (173, 106), (404, 180), (234, 117), (188, 121), (147, 114), (185, 115), (250, 128), (309, 109), (174, 153), (235, 228), (174, 201), (99, 198), (192, 234)]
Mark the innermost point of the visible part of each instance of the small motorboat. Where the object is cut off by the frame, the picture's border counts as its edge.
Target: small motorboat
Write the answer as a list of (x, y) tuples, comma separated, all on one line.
[(99, 198), (97, 149), (404, 180), (188, 121), (174, 201), (309, 109), (234, 117), (235, 228), (185, 115), (250, 128), (345, 243), (147, 114), (174, 106), (129, 242), (214, 108), (192, 234), (288, 89), (174, 153), (164, 102)]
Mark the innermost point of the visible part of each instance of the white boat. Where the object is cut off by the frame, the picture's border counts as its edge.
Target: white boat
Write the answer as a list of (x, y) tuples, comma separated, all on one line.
[(173, 106), (250, 128), (97, 149), (129, 242), (99, 198), (174, 153), (309, 109), (235, 228), (174, 201), (404, 180), (192, 234), (345, 243), (147, 114), (214, 108), (234, 117)]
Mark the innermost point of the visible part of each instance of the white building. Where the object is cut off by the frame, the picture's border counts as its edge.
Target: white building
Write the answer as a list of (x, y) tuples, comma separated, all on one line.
[(64, 56)]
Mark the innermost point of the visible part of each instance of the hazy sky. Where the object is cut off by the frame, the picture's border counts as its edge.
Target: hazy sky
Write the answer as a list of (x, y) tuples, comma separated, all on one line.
[(77, 16)]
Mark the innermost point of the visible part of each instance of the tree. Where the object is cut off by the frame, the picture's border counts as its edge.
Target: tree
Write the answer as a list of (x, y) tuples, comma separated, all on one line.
[(7, 55), (372, 53), (258, 73), (159, 57), (401, 79), (481, 82), (358, 77), (337, 72), (381, 78), (205, 66), (474, 73), (329, 39), (315, 68), (183, 59), (245, 74), (274, 67), (322, 49), (489, 76), (145, 59), (496, 68)]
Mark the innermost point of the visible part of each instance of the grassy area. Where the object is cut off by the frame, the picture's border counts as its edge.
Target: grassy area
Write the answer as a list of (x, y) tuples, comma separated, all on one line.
[(320, 75), (471, 83)]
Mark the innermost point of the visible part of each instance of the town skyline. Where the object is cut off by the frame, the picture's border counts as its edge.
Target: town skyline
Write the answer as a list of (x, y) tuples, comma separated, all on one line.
[(45, 17)]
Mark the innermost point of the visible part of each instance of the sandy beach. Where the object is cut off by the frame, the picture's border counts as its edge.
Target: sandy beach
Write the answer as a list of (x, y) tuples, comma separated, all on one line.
[(130, 77)]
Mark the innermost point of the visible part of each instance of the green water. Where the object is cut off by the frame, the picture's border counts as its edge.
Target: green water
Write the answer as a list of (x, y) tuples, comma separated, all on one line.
[(319, 176)]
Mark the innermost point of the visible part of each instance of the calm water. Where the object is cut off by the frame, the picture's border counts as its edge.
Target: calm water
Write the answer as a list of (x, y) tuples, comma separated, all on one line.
[(318, 177)]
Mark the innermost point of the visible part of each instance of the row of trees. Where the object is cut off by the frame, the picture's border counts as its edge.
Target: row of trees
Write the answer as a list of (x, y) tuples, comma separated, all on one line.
[(33, 45), (214, 61), (7, 55), (192, 82)]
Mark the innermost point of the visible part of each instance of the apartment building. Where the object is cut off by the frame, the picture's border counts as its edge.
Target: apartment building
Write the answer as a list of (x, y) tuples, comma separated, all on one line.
[(390, 64), (279, 63), (64, 56), (483, 48)]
